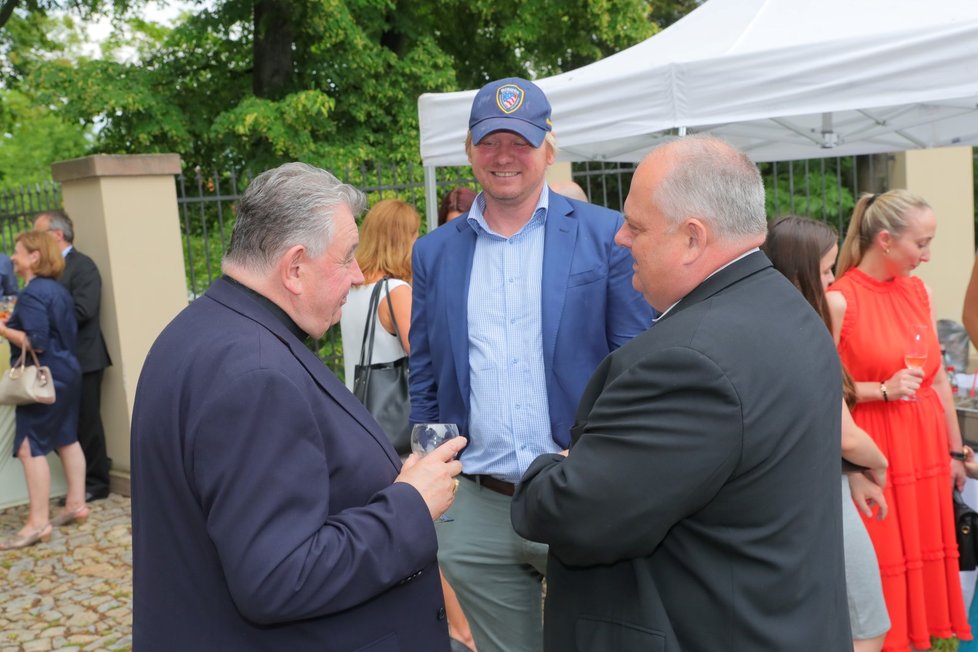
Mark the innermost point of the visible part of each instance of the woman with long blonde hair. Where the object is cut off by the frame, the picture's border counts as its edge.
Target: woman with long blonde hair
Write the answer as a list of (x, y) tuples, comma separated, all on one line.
[(903, 400)]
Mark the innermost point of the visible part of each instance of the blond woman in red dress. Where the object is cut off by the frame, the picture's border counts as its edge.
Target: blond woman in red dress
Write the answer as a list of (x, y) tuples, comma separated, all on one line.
[(907, 409)]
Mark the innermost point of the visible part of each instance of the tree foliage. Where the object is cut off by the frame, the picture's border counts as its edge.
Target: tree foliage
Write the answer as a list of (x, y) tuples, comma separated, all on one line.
[(218, 88), (31, 137)]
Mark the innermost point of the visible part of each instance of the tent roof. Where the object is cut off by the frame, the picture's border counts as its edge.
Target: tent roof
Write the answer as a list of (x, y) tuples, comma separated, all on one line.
[(781, 79)]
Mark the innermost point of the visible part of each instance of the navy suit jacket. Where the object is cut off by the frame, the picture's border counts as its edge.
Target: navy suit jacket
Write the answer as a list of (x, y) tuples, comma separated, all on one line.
[(264, 513), (8, 280), (589, 309)]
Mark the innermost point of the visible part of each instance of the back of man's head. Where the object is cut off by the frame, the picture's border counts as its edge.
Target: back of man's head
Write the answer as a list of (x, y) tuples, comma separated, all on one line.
[(58, 220), (288, 205), (710, 179), (569, 189)]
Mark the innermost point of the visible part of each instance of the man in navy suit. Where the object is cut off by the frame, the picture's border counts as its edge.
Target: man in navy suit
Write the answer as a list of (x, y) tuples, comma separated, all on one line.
[(270, 511), (515, 304)]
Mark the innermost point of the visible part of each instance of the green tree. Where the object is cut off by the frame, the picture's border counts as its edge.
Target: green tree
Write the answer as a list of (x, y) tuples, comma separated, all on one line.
[(31, 137), (218, 88), (821, 189)]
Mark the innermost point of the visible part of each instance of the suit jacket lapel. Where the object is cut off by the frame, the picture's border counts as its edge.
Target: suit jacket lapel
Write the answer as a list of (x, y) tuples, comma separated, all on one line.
[(560, 235), (457, 300), (227, 295), (723, 279)]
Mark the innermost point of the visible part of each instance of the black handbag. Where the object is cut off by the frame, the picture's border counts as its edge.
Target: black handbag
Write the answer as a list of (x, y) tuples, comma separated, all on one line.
[(966, 530), (383, 387)]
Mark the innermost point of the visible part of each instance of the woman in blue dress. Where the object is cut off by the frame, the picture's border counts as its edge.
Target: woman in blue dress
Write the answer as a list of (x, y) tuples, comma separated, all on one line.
[(44, 317)]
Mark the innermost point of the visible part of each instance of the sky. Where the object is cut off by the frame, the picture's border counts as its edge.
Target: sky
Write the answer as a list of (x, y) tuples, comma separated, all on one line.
[(166, 14)]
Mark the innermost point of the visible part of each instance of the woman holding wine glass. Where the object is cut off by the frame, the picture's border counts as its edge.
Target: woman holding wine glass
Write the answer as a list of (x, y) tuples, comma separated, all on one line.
[(875, 304)]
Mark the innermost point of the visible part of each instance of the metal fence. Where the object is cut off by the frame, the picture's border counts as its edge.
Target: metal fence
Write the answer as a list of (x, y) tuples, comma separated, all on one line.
[(206, 200), (18, 206)]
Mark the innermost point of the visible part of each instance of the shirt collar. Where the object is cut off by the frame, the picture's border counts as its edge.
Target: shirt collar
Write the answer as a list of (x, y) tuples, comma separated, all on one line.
[(67, 250), (477, 213), (271, 307)]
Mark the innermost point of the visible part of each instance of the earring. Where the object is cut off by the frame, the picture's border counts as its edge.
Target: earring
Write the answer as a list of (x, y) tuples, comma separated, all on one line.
[(886, 251)]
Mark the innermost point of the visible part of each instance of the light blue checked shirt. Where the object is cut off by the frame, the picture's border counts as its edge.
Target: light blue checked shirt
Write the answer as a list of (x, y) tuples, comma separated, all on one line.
[(510, 418)]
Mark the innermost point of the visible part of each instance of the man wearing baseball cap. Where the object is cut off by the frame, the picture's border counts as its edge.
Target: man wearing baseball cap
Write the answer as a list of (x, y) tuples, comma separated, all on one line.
[(515, 304)]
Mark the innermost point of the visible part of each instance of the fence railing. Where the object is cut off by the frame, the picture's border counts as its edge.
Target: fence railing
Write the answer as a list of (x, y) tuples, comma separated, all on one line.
[(206, 201), (19, 205)]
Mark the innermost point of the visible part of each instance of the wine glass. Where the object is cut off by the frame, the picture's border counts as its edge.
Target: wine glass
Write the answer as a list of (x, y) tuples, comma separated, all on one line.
[(915, 354), (426, 437)]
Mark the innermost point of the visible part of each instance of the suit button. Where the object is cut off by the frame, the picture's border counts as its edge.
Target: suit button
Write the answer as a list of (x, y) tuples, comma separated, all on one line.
[(441, 613)]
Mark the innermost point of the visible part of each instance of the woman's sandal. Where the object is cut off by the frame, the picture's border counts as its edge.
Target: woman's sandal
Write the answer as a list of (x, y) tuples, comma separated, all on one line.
[(16, 542), (66, 517)]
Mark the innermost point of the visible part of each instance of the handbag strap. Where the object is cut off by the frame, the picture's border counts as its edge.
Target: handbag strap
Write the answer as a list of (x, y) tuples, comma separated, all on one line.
[(390, 306), (22, 360), (367, 345)]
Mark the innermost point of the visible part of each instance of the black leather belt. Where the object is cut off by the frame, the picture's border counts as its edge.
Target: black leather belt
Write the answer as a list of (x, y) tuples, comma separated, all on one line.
[(493, 484)]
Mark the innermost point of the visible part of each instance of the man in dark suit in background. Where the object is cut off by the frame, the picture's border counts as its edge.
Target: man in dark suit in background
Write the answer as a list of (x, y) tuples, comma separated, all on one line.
[(699, 506), (270, 511), (83, 281)]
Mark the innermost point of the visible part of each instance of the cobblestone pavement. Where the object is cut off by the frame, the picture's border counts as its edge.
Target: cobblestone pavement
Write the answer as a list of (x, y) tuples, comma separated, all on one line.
[(74, 592)]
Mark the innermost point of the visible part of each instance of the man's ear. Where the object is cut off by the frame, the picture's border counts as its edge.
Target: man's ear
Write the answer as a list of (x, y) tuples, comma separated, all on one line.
[(697, 235), (291, 269)]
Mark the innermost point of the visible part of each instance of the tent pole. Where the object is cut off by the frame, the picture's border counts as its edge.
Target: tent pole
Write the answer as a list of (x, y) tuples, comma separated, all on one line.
[(431, 197)]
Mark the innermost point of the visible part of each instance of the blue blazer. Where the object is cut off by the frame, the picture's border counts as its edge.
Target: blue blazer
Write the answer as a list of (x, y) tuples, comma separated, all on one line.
[(264, 514), (589, 309)]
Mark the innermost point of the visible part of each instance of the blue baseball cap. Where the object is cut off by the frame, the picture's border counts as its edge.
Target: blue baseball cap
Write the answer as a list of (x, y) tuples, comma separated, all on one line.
[(511, 104)]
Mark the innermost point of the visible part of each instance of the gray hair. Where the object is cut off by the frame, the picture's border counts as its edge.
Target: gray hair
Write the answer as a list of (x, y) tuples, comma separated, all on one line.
[(288, 205), (716, 182), (58, 220)]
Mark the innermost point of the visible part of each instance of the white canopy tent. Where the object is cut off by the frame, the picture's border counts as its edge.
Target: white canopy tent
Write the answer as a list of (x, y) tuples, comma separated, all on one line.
[(780, 79)]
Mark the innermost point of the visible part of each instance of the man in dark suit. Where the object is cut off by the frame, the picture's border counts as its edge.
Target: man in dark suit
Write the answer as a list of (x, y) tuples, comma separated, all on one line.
[(83, 281), (270, 511), (515, 304), (699, 506)]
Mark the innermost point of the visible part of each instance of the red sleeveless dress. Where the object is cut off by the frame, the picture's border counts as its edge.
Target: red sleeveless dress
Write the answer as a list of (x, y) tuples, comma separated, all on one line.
[(915, 544)]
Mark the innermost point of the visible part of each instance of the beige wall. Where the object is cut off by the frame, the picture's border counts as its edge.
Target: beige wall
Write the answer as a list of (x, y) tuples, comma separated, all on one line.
[(560, 171), (944, 178), (125, 214)]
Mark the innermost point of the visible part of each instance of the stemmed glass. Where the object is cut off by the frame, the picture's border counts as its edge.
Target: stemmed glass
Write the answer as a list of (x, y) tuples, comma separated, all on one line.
[(426, 437), (915, 354)]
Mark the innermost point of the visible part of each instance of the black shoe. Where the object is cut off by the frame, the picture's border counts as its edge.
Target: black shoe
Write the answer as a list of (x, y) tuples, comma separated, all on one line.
[(93, 495), (90, 495)]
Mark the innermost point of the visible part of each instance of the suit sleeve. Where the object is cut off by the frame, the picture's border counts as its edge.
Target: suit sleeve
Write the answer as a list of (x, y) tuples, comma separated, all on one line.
[(424, 389), (86, 289), (660, 441), (628, 312), (285, 555)]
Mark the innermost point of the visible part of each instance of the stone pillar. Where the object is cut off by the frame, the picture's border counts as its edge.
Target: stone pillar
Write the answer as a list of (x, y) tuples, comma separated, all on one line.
[(944, 178), (125, 213)]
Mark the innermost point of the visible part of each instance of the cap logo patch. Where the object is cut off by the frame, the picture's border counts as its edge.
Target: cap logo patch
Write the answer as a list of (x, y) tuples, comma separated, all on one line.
[(509, 98)]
